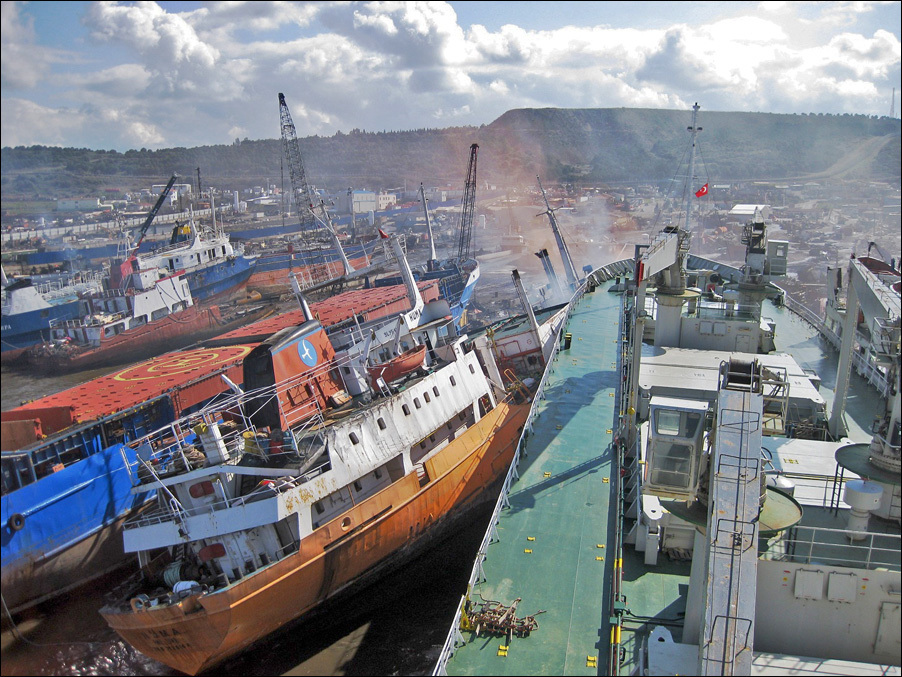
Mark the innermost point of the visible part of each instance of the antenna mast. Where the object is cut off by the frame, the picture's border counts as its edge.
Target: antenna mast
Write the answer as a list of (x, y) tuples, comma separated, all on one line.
[(693, 130)]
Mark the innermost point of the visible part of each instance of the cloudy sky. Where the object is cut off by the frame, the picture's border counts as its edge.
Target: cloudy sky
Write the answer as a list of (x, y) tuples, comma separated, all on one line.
[(121, 75)]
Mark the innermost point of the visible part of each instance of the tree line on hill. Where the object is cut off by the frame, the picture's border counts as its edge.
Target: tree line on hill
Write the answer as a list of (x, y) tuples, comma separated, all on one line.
[(578, 146)]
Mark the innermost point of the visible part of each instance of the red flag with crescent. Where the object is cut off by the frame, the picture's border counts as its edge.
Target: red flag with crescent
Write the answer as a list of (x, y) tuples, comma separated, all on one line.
[(702, 191)]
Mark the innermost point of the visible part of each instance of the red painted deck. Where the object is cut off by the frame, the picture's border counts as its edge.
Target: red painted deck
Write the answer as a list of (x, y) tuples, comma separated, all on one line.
[(141, 382), (369, 303), (187, 373)]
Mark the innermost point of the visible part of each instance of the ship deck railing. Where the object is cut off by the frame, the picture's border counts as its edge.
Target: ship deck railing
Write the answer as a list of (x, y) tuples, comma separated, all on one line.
[(58, 288), (866, 367), (812, 545), (167, 452)]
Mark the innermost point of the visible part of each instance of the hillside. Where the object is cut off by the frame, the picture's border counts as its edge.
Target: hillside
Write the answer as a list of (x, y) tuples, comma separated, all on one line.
[(604, 145)]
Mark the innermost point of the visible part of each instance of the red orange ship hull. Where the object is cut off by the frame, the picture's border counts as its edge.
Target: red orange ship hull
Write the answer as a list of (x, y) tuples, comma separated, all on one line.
[(392, 527), (194, 323)]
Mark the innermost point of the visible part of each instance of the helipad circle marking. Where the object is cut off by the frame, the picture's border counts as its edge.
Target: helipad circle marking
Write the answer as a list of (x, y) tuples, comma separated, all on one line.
[(180, 363)]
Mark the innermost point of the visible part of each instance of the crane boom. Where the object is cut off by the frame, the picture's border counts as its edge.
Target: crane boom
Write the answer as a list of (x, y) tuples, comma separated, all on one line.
[(153, 212), (569, 269), (432, 254), (468, 208), (303, 196)]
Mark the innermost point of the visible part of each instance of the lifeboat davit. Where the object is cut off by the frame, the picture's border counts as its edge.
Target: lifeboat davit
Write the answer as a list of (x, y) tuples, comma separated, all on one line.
[(403, 364)]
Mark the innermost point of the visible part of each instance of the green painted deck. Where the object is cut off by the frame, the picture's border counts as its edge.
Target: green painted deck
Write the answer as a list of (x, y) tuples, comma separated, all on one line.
[(551, 548)]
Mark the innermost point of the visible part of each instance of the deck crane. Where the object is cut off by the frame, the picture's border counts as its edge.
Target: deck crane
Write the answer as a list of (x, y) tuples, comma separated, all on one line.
[(153, 212), (303, 195), (433, 257), (569, 269), (468, 208), (120, 271)]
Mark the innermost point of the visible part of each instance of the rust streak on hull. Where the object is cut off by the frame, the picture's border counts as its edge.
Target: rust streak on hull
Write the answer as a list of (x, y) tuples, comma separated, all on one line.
[(359, 545)]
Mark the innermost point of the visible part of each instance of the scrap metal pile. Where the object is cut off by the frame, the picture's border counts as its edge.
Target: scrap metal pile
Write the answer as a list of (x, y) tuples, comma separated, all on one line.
[(494, 618)]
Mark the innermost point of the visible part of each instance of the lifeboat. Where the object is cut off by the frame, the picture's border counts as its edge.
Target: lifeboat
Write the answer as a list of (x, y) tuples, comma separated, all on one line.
[(399, 366)]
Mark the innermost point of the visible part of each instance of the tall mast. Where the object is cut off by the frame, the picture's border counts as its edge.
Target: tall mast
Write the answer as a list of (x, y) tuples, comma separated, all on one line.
[(693, 130)]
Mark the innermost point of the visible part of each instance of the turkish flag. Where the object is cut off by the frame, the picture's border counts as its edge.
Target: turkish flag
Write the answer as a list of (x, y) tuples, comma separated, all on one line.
[(382, 234), (702, 191)]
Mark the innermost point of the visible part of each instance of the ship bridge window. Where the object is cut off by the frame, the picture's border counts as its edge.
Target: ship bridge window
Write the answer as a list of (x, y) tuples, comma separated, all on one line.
[(405, 409), (416, 402), (427, 398), (453, 382), (354, 438), (677, 423), (435, 390), (381, 422)]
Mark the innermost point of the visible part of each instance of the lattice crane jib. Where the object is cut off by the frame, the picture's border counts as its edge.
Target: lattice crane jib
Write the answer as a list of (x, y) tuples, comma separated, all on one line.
[(468, 208), (303, 196)]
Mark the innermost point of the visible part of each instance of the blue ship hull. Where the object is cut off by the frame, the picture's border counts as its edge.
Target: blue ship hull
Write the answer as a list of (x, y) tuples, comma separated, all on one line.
[(59, 529), (221, 280), (23, 330)]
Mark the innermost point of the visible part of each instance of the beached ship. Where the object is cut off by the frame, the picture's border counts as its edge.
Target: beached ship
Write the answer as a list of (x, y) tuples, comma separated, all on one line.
[(140, 313), (65, 489), (309, 483), (216, 269), (705, 488), (312, 266), (30, 304)]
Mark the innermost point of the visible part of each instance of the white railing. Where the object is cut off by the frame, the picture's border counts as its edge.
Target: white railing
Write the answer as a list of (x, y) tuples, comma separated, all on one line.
[(809, 545), (866, 368)]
